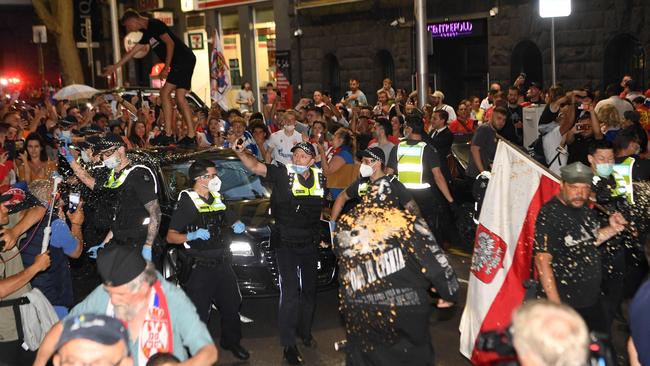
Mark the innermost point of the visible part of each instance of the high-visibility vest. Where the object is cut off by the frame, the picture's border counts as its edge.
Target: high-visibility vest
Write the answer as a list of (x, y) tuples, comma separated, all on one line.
[(363, 189), (114, 183), (201, 205), (623, 176), (299, 190), (410, 167)]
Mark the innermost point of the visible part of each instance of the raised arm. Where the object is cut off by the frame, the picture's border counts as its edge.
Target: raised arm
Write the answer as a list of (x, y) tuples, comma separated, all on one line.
[(250, 162)]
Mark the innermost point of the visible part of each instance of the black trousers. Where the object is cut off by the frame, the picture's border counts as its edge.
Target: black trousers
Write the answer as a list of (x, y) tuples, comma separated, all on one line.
[(13, 354), (298, 278), (595, 317), (217, 284)]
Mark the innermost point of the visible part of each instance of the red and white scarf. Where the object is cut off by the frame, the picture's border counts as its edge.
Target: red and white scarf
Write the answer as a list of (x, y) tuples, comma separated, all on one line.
[(156, 332)]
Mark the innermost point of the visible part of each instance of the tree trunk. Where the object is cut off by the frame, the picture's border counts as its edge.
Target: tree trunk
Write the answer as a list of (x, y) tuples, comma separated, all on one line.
[(71, 71)]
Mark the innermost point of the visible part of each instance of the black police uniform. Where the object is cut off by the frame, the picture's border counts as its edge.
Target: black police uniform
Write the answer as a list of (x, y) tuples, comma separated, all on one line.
[(211, 277), (296, 207), (134, 187), (98, 215)]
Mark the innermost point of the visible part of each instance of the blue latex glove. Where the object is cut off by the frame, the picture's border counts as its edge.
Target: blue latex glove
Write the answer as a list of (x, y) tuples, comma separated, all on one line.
[(67, 154), (92, 251), (238, 227), (198, 234), (146, 253)]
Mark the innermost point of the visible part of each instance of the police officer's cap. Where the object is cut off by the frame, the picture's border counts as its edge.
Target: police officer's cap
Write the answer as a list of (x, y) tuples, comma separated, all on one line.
[(91, 129), (119, 264), (374, 153), (306, 147), (110, 141), (68, 121), (576, 173)]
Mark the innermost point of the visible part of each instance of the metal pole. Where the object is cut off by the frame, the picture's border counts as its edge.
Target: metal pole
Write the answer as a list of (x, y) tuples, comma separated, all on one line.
[(89, 41), (421, 50), (41, 62), (115, 38), (553, 50)]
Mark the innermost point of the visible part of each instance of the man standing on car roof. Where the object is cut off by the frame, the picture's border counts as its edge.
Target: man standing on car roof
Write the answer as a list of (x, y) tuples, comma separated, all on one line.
[(178, 58), (136, 218), (197, 222), (296, 201)]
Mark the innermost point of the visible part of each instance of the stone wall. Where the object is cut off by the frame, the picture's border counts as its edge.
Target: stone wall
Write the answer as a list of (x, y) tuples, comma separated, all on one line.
[(580, 39)]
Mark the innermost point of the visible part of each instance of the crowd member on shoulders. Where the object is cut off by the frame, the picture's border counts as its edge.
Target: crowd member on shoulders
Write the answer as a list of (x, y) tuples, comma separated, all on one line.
[(387, 87)]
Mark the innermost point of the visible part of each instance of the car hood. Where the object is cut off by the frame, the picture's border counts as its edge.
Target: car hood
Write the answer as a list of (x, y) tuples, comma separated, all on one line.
[(254, 212)]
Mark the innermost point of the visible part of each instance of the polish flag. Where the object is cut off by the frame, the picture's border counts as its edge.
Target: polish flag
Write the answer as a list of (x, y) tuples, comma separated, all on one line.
[(517, 190)]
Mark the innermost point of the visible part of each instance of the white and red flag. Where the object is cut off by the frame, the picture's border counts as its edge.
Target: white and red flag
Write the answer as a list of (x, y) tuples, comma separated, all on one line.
[(517, 190), (219, 73)]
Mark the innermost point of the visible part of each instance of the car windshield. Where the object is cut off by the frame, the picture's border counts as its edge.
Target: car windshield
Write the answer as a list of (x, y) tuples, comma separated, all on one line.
[(237, 183)]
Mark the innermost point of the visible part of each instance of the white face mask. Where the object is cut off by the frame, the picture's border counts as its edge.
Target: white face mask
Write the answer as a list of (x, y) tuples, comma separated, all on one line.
[(214, 185), (365, 170), (289, 128), (112, 162)]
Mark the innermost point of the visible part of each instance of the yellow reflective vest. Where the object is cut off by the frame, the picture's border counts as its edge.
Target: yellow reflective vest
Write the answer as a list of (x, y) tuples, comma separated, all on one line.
[(410, 165)]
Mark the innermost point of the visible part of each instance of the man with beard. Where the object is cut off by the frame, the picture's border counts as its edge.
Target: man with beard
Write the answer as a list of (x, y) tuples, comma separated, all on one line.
[(388, 260), (159, 316), (567, 236)]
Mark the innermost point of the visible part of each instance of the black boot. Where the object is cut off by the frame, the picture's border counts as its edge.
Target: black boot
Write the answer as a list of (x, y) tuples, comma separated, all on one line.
[(238, 351), (293, 356)]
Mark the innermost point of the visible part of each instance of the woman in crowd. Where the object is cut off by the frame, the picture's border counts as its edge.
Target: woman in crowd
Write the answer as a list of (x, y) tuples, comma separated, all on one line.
[(34, 161), (396, 123), (475, 113), (138, 136), (340, 170), (319, 135)]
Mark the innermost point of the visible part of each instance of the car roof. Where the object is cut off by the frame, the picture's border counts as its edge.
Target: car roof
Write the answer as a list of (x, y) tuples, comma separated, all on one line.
[(167, 155)]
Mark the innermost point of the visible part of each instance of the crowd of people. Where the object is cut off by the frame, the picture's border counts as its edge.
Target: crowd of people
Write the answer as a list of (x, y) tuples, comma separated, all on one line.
[(341, 140), (384, 172)]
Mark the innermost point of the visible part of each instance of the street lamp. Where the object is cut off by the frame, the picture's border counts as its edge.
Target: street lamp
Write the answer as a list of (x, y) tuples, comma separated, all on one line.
[(553, 9)]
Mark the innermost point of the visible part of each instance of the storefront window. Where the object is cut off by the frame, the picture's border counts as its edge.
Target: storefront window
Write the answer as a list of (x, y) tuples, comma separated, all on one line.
[(232, 45), (265, 49)]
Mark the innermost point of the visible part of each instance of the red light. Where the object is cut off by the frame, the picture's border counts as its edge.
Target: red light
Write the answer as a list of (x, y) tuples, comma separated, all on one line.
[(594, 347)]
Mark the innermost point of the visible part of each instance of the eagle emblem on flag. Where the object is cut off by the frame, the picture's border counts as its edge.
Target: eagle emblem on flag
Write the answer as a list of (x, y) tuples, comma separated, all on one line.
[(489, 251)]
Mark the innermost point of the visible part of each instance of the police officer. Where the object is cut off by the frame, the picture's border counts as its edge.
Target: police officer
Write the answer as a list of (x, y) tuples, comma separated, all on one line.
[(417, 165), (198, 221), (296, 202), (136, 218), (372, 168)]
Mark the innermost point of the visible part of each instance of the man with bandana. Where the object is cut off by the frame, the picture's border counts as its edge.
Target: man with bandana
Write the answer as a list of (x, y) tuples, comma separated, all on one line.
[(296, 205), (137, 214), (198, 223), (389, 261), (158, 315)]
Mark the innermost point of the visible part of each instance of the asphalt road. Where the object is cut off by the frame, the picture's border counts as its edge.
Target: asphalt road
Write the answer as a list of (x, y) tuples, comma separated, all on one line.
[(261, 336)]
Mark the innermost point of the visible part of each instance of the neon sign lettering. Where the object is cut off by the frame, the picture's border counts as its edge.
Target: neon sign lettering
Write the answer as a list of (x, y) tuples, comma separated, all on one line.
[(451, 29)]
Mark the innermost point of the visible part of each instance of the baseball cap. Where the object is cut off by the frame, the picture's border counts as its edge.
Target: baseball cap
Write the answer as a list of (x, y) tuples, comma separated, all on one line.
[(306, 147), (374, 153), (93, 327), (119, 264)]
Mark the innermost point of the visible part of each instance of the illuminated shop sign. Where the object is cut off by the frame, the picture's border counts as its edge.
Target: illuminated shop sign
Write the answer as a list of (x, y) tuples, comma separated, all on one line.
[(463, 28)]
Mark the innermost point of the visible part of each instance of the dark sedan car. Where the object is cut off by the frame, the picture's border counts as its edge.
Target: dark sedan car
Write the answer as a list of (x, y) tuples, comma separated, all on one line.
[(253, 256)]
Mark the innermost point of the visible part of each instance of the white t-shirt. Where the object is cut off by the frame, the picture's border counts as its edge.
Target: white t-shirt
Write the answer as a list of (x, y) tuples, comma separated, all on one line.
[(551, 141), (282, 144), (244, 96), (449, 109)]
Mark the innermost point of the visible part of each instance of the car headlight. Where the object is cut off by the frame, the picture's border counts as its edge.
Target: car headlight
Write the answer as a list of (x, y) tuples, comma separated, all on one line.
[(241, 248)]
